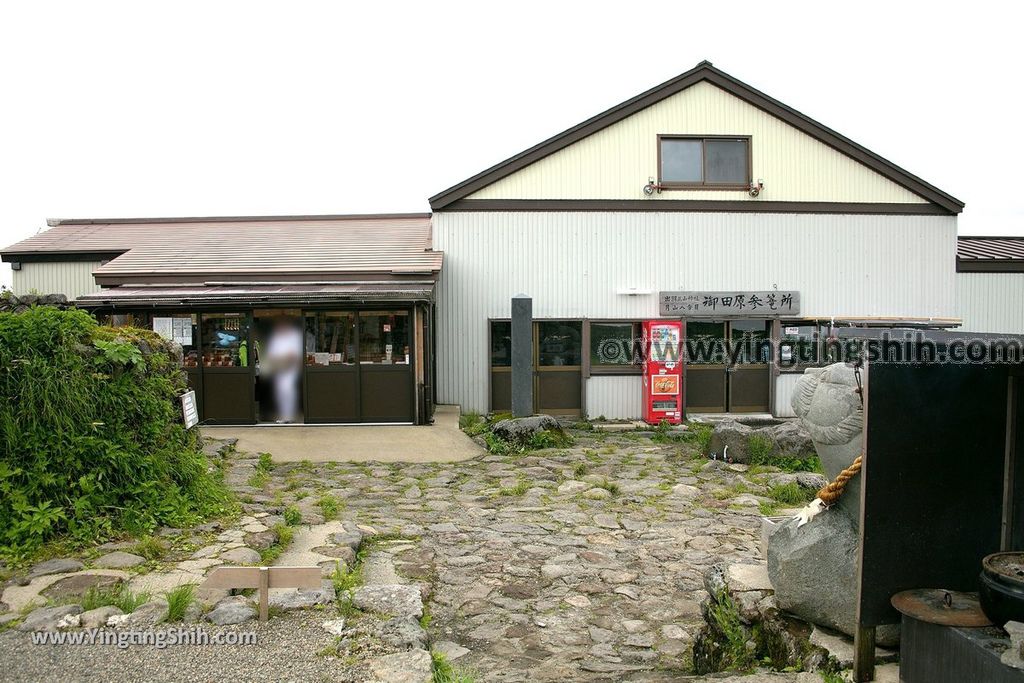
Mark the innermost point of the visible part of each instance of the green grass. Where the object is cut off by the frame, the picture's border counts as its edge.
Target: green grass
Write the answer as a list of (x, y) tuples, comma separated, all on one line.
[(284, 535), (725, 618), (265, 463), (150, 547), (472, 423), (609, 486), (179, 600), (118, 596), (329, 506), (791, 494), (579, 470), (520, 488), (446, 672), (762, 454), (292, 516)]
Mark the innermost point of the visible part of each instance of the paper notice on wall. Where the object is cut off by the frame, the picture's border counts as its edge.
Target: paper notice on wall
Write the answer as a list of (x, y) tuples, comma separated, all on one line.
[(164, 327), (182, 330)]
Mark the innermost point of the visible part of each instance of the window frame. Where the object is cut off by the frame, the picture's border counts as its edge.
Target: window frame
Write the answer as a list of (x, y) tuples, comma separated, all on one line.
[(704, 184)]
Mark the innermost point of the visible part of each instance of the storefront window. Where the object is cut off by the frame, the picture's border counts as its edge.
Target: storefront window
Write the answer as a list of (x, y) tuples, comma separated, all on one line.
[(179, 328), (330, 338), (225, 341), (560, 343), (384, 337), (124, 319), (751, 341), (501, 344), (615, 344)]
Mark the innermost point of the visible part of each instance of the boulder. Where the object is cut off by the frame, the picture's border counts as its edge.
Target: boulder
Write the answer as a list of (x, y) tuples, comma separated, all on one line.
[(234, 609), (403, 633), (303, 597), (241, 556), (814, 572), (77, 585), (520, 430), (791, 438), (734, 435), (148, 615), (47, 618)]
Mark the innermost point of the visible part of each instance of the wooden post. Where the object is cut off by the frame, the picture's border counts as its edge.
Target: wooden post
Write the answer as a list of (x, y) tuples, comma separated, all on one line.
[(264, 594), (864, 654)]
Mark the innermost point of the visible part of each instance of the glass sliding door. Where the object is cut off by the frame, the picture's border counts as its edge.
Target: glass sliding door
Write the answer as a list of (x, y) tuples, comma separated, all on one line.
[(706, 368), (332, 368), (385, 366), (501, 366), (558, 389), (750, 377), (228, 381)]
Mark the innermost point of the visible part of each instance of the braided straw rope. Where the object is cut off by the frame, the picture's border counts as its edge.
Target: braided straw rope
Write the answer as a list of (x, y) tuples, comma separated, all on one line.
[(830, 493)]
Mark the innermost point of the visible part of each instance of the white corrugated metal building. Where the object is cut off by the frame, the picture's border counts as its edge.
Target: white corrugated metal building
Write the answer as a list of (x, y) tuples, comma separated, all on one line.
[(700, 185)]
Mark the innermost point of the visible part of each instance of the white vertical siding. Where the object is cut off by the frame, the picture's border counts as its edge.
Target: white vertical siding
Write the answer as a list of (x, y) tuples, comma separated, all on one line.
[(574, 264), (616, 162), (614, 396), (991, 302), (71, 278), (785, 385)]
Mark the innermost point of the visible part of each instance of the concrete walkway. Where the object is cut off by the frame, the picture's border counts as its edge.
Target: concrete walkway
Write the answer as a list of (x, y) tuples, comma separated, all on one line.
[(442, 441)]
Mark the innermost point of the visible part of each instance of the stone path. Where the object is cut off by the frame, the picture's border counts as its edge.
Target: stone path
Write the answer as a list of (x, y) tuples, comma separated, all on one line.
[(584, 563)]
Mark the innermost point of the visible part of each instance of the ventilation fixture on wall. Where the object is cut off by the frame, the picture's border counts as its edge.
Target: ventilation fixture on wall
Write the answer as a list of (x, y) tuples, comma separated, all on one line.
[(755, 188), (15, 265), (651, 187)]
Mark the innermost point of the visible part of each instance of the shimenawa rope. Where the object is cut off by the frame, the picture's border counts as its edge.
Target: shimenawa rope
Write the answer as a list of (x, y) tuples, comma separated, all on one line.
[(829, 493)]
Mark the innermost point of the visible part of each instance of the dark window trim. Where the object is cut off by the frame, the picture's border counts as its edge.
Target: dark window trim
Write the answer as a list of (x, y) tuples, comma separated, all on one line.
[(704, 184), (802, 322)]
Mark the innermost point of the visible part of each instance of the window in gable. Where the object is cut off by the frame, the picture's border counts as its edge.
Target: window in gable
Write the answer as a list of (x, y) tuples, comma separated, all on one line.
[(703, 162)]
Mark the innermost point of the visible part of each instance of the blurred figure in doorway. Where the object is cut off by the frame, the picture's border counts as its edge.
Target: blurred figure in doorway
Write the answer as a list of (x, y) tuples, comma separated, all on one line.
[(284, 365)]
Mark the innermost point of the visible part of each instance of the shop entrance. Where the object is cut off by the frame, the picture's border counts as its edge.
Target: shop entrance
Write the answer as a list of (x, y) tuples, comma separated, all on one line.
[(557, 366), (712, 383)]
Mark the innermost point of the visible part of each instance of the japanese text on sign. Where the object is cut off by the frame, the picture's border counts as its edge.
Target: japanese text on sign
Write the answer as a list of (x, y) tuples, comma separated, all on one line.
[(721, 304)]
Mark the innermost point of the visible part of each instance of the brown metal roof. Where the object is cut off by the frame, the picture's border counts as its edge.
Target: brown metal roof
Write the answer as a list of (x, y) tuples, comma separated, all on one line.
[(272, 249), (990, 254), (305, 293)]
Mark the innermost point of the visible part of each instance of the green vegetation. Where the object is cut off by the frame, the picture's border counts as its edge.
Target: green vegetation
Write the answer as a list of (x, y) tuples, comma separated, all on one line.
[(724, 618), (520, 488), (329, 506), (474, 424), (609, 486), (118, 596), (791, 494), (761, 450), (92, 441), (292, 516), (284, 538), (179, 600), (265, 463), (346, 580), (579, 470), (446, 672), (150, 547)]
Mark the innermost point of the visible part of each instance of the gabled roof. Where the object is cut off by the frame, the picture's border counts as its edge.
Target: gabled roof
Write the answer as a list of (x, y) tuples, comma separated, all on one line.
[(702, 72), (990, 254), (183, 250)]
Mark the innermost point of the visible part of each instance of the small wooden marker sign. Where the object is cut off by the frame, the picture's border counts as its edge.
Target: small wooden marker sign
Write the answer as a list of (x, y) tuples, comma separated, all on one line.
[(264, 578)]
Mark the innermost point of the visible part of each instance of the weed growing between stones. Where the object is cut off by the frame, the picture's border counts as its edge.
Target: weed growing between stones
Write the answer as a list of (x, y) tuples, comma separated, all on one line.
[(329, 506), (150, 547), (292, 516), (446, 672), (791, 494), (761, 451), (118, 596), (284, 534), (179, 600)]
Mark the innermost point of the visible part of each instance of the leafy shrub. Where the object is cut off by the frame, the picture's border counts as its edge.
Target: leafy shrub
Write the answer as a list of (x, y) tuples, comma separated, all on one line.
[(91, 435)]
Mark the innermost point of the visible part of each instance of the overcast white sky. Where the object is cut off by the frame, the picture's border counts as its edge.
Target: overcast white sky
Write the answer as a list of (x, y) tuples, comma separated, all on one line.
[(115, 109)]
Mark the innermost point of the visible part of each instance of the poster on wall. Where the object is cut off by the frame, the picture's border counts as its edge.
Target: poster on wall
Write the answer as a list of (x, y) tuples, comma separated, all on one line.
[(177, 329)]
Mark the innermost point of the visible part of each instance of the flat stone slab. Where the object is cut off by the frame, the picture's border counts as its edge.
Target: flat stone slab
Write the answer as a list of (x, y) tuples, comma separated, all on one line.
[(55, 566), (241, 556), (414, 666), (397, 600), (841, 647), (77, 585), (292, 598), (47, 618), (119, 560), (234, 609), (748, 577)]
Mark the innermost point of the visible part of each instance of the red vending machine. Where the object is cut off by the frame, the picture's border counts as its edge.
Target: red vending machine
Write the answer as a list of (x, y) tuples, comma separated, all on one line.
[(663, 371)]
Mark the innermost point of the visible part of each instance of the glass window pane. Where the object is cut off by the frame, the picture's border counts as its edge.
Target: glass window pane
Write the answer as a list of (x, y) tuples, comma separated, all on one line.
[(330, 338), (560, 343), (727, 161), (681, 161), (752, 339), (705, 343), (384, 337), (613, 344), (501, 344), (225, 340)]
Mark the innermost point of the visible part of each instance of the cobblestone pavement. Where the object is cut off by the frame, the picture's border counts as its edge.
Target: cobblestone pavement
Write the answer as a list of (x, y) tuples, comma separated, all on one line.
[(579, 563), (585, 562)]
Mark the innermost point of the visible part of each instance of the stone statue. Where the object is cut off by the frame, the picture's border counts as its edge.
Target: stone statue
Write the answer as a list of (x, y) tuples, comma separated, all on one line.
[(813, 568)]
